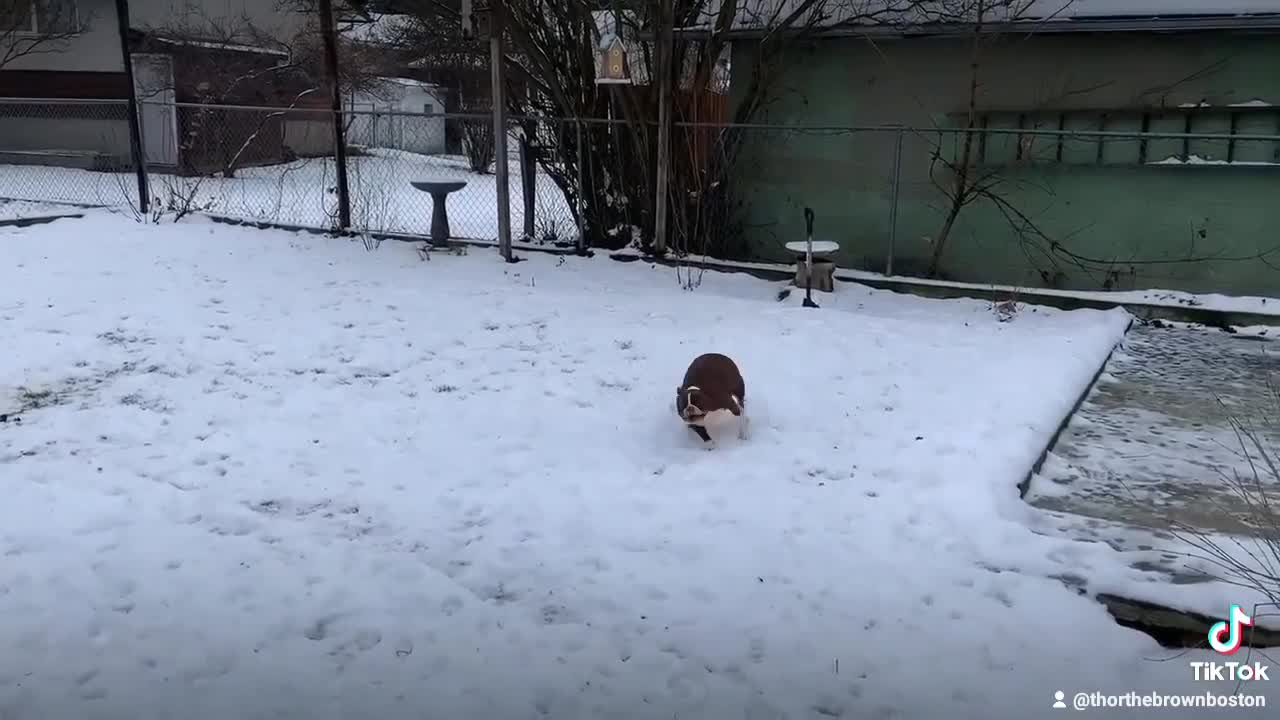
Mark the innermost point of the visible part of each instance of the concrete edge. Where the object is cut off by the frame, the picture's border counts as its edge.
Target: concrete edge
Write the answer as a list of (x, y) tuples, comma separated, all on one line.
[(1025, 484), (1175, 628), (63, 203), (37, 220), (1142, 311)]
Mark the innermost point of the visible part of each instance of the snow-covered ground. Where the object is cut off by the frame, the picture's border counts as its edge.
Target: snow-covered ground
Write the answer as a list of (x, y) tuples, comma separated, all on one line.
[(303, 193), (262, 474)]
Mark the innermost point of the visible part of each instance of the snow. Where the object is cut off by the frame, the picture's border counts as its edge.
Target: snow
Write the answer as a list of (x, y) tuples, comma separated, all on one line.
[(300, 193), (1194, 159), (1105, 8), (819, 246), (1255, 103), (276, 475)]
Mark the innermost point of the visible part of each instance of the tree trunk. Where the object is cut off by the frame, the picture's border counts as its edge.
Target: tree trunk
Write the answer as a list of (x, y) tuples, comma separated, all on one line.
[(528, 181), (959, 198), (961, 194), (935, 260)]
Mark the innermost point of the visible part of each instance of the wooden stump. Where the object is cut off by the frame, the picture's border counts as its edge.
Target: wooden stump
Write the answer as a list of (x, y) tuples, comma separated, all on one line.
[(824, 275)]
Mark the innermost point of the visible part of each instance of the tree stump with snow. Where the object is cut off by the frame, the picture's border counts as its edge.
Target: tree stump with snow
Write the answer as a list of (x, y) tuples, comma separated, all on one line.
[(824, 268), (824, 275)]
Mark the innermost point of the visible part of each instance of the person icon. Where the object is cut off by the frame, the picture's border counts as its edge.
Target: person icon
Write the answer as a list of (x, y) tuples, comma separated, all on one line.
[(1058, 695)]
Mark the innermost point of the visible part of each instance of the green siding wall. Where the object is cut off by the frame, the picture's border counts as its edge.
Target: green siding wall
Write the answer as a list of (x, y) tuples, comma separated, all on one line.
[(1116, 222)]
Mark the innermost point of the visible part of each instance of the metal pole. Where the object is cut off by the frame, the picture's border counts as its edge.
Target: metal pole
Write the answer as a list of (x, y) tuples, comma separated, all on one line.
[(498, 82), (661, 209), (335, 95), (135, 123), (808, 260), (893, 202)]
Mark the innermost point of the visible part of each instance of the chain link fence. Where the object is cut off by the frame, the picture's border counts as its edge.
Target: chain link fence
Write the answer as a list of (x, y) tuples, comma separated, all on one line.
[(1053, 204), (74, 152), (278, 165), (397, 160), (253, 163)]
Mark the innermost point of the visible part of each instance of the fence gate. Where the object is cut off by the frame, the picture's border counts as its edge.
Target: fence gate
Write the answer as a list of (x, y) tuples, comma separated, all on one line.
[(157, 114)]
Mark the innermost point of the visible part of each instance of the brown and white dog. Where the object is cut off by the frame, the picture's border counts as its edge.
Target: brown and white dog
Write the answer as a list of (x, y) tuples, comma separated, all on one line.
[(713, 390)]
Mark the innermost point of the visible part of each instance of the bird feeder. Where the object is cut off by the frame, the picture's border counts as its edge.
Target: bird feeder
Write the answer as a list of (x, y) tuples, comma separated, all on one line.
[(612, 68), (476, 18)]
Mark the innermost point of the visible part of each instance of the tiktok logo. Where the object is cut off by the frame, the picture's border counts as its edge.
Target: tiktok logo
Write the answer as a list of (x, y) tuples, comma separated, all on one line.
[(1227, 636)]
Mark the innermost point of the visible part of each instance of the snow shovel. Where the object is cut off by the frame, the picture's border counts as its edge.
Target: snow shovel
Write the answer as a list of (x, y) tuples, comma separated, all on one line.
[(808, 260)]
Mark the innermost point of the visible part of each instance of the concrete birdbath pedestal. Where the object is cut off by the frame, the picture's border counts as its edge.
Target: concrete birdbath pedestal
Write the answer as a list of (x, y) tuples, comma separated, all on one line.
[(439, 190), (824, 268)]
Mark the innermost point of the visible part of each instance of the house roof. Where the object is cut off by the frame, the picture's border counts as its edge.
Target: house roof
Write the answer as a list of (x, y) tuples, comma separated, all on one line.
[(930, 17), (410, 82), (214, 45)]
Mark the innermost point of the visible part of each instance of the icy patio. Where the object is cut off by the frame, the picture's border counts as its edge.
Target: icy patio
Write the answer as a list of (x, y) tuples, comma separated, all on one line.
[(260, 474), (1152, 448)]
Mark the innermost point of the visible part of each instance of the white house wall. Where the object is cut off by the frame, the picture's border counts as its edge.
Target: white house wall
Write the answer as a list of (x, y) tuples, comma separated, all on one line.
[(96, 50), (263, 15), (394, 118)]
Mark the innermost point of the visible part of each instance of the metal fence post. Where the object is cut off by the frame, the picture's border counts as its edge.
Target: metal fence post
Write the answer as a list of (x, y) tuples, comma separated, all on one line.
[(135, 122), (893, 201), (662, 197), (499, 102)]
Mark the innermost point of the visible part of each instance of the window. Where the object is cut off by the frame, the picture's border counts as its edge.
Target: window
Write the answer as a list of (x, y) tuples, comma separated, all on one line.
[(428, 109), (1145, 140), (39, 17)]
